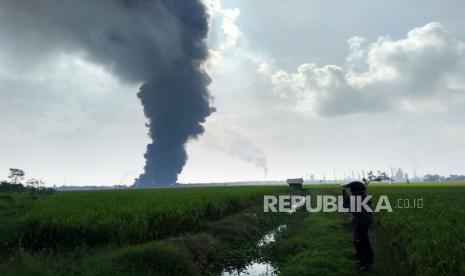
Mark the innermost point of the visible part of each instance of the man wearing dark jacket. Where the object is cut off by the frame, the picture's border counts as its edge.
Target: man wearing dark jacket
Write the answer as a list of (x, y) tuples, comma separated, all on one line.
[(361, 221)]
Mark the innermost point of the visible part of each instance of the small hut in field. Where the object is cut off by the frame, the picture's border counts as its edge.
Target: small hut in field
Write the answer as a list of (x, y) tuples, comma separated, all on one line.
[(295, 184)]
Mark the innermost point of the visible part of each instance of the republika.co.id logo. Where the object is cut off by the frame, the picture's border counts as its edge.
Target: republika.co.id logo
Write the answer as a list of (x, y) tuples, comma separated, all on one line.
[(333, 203)]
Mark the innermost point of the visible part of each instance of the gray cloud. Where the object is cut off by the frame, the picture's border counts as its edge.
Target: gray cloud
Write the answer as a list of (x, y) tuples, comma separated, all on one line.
[(158, 43), (130, 38), (41, 88), (423, 70)]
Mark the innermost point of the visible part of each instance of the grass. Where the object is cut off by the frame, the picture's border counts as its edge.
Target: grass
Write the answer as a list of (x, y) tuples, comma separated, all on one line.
[(12, 207), (68, 230), (70, 219), (408, 241), (314, 244), (431, 239), (203, 230), (152, 258)]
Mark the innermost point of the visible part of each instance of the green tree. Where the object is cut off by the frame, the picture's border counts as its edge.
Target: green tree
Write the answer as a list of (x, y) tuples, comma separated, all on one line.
[(34, 182), (16, 175)]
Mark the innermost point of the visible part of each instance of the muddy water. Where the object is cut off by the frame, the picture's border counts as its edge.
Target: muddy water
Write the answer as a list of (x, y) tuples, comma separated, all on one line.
[(258, 268), (271, 236), (262, 268), (255, 268)]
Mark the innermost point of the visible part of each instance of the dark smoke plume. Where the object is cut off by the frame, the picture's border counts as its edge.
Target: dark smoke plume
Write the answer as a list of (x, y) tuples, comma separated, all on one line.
[(160, 43), (176, 100)]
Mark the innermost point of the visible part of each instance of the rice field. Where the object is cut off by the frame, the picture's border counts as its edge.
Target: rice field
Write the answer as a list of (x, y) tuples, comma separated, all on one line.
[(69, 219), (206, 228), (431, 240)]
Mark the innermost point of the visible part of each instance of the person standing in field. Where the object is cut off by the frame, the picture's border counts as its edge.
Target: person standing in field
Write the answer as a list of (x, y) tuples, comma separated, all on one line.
[(361, 222)]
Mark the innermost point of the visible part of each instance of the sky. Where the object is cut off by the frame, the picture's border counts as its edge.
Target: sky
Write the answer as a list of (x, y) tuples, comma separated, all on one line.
[(299, 87)]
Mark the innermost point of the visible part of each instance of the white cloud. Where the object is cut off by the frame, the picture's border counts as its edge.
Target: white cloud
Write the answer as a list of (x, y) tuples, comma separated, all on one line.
[(215, 58), (290, 115), (228, 18), (264, 68), (422, 71), (230, 28), (225, 37)]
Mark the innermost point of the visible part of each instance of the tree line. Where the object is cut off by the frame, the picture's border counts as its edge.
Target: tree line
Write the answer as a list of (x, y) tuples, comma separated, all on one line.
[(15, 183)]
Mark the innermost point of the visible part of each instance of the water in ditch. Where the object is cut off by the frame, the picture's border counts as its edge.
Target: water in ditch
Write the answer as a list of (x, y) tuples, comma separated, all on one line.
[(255, 267)]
